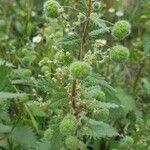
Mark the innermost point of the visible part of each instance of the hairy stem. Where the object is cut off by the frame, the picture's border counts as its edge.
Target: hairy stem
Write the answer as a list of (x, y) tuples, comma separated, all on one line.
[(83, 41), (85, 31), (73, 94)]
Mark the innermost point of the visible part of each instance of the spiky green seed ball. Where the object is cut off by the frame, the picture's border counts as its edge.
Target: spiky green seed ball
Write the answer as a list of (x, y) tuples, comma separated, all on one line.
[(101, 114), (71, 143), (121, 29), (119, 54), (48, 134), (45, 69), (96, 6), (68, 125), (126, 141), (80, 70), (26, 73), (51, 8)]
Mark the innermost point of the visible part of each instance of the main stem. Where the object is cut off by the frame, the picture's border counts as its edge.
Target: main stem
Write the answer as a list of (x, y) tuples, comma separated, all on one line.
[(85, 30), (83, 41)]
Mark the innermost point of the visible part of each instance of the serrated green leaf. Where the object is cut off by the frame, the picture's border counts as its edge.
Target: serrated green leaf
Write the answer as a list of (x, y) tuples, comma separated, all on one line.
[(69, 39), (95, 79), (98, 22), (98, 32), (127, 101), (24, 136), (98, 129), (45, 145), (4, 128)]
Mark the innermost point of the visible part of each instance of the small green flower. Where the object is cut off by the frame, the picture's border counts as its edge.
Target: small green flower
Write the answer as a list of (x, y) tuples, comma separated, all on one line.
[(51, 8), (68, 125), (121, 29), (48, 134), (119, 54), (71, 143), (80, 70)]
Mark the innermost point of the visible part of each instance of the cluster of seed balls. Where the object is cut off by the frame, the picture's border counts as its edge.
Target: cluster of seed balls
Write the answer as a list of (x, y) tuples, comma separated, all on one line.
[(67, 127), (120, 30)]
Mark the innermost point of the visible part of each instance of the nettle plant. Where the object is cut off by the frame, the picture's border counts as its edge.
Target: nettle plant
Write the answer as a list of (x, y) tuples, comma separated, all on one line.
[(78, 92)]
